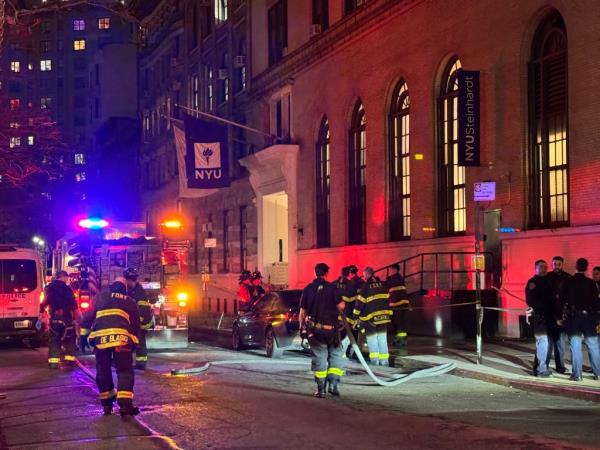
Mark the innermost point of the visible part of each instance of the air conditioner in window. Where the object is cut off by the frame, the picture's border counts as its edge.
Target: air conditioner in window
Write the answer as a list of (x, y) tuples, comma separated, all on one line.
[(239, 61), (222, 74), (315, 29)]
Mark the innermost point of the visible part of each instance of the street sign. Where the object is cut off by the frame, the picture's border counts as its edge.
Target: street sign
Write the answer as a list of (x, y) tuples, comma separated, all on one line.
[(210, 243), (478, 262), (485, 192)]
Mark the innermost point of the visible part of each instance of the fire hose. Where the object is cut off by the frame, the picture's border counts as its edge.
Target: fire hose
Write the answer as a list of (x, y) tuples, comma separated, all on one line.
[(394, 379)]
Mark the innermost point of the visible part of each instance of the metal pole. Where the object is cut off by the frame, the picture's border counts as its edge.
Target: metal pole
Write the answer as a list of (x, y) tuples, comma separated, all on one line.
[(478, 308)]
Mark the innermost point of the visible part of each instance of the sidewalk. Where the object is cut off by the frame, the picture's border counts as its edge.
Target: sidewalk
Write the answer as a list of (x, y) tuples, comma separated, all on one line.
[(507, 362)]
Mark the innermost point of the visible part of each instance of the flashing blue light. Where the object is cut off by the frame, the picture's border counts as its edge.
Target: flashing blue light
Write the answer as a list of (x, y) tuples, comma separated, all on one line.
[(93, 223), (509, 230)]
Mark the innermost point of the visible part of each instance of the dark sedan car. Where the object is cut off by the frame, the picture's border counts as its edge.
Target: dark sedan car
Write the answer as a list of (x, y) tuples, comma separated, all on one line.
[(271, 322)]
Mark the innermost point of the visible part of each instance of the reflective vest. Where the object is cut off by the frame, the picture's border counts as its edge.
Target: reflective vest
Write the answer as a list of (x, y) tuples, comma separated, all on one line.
[(372, 303), (397, 290), (113, 322)]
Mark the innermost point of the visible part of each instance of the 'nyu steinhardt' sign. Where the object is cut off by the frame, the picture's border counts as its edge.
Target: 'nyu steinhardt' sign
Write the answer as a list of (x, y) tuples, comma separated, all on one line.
[(468, 118)]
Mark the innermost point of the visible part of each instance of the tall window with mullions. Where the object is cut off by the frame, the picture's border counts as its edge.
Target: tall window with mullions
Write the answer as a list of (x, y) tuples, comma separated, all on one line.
[(323, 186), (548, 165), (399, 164), (451, 194), (357, 207)]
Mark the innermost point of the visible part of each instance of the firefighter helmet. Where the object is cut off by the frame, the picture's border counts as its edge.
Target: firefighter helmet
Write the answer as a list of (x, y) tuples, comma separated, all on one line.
[(131, 273)]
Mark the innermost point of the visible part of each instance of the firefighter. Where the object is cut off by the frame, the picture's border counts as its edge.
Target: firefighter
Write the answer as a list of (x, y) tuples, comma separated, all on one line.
[(138, 293), (244, 293), (112, 328), (373, 310), (257, 288), (344, 289), (63, 310), (320, 307), (399, 303), (355, 282)]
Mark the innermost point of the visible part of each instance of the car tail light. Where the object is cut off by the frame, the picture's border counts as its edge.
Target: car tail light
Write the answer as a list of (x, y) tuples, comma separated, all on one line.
[(182, 304), (85, 305)]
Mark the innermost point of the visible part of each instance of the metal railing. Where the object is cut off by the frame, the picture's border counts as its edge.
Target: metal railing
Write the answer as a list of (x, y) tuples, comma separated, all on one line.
[(439, 267)]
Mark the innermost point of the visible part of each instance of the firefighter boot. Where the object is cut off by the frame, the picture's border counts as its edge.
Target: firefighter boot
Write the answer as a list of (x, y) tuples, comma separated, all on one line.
[(107, 408), (320, 393), (127, 409), (333, 388)]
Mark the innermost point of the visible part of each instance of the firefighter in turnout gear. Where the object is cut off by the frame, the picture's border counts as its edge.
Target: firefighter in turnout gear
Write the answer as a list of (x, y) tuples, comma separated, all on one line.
[(346, 292), (62, 306), (372, 308), (399, 303), (320, 307), (112, 328), (138, 293)]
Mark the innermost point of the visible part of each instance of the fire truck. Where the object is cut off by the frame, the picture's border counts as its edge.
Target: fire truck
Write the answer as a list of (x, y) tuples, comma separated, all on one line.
[(94, 259)]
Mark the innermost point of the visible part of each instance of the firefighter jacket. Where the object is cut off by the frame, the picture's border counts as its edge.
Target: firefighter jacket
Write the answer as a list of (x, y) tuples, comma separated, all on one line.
[(372, 303), (138, 293), (113, 322), (397, 290), (244, 293), (345, 292), (60, 299)]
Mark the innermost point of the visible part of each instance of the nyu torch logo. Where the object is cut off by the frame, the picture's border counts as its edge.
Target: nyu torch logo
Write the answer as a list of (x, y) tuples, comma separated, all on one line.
[(208, 161)]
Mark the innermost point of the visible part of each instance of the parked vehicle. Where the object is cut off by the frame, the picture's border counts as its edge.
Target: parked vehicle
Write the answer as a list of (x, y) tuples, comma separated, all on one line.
[(271, 322)]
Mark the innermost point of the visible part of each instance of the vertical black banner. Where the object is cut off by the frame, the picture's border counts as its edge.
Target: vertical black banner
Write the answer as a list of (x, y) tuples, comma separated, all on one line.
[(468, 118)]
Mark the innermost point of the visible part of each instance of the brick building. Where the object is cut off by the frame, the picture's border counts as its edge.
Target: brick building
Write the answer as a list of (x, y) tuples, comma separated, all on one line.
[(363, 97)]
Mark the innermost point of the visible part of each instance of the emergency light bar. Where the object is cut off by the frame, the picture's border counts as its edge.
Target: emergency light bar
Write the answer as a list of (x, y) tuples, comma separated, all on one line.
[(93, 223)]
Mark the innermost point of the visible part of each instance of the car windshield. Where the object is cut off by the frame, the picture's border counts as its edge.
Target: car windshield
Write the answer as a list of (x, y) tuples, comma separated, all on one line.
[(17, 275)]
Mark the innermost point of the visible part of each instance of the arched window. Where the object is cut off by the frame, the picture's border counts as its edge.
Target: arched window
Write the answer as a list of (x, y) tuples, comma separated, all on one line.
[(399, 163), (548, 143), (357, 208), (451, 195), (323, 186)]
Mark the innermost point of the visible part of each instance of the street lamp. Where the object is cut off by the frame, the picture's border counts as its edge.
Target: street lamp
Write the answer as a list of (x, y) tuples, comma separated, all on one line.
[(36, 240)]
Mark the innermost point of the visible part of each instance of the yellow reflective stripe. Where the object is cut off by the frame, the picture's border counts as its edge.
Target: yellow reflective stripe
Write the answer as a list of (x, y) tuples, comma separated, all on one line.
[(402, 334), (360, 298), (147, 326), (143, 303), (320, 374), (109, 331), (384, 356), (107, 394), (84, 331), (382, 312), (347, 299), (374, 355), (125, 394), (69, 358), (335, 371), (141, 358), (397, 288), (53, 360), (400, 303), (372, 298), (356, 312), (112, 312)]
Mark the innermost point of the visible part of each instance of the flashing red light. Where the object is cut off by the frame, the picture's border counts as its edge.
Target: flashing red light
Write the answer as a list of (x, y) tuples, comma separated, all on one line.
[(85, 305), (93, 223)]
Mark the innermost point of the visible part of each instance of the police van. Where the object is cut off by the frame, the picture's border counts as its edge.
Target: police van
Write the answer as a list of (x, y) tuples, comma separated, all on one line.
[(21, 292)]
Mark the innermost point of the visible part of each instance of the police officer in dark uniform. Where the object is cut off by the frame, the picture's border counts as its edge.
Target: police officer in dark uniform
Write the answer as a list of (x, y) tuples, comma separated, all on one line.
[(63, 310), (372, 308), (138, 293), (399, 303), (320, 307), (556, 278), (579, 296), (113, 327), (538, 294)]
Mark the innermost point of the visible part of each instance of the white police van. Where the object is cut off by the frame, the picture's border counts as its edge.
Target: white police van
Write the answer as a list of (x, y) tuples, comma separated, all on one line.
[(21, 292)]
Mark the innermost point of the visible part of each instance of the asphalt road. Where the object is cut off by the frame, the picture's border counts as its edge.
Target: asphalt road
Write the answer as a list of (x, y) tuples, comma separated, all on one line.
[(257, 404)]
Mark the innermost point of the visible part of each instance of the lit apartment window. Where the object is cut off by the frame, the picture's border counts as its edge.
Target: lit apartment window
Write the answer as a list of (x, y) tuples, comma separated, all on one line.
[(15, 66), (79, 159), (15, 141), (14, 103), (30, 140), (104, 23), (79, 25), (29, 66), (46, 65), (79, 44), (220, 11), (80, 176), (45, 102)]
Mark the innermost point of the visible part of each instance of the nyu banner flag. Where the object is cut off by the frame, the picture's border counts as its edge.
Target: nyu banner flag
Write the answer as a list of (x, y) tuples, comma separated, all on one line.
[(468, 118)]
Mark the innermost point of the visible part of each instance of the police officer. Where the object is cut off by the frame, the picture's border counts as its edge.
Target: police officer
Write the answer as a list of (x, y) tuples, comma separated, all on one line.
[(399, 303), (372, 308), (138, 293), (556, 278), (112, 328), (63, 312), (320, 307), (579, 295), (538, 294)]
